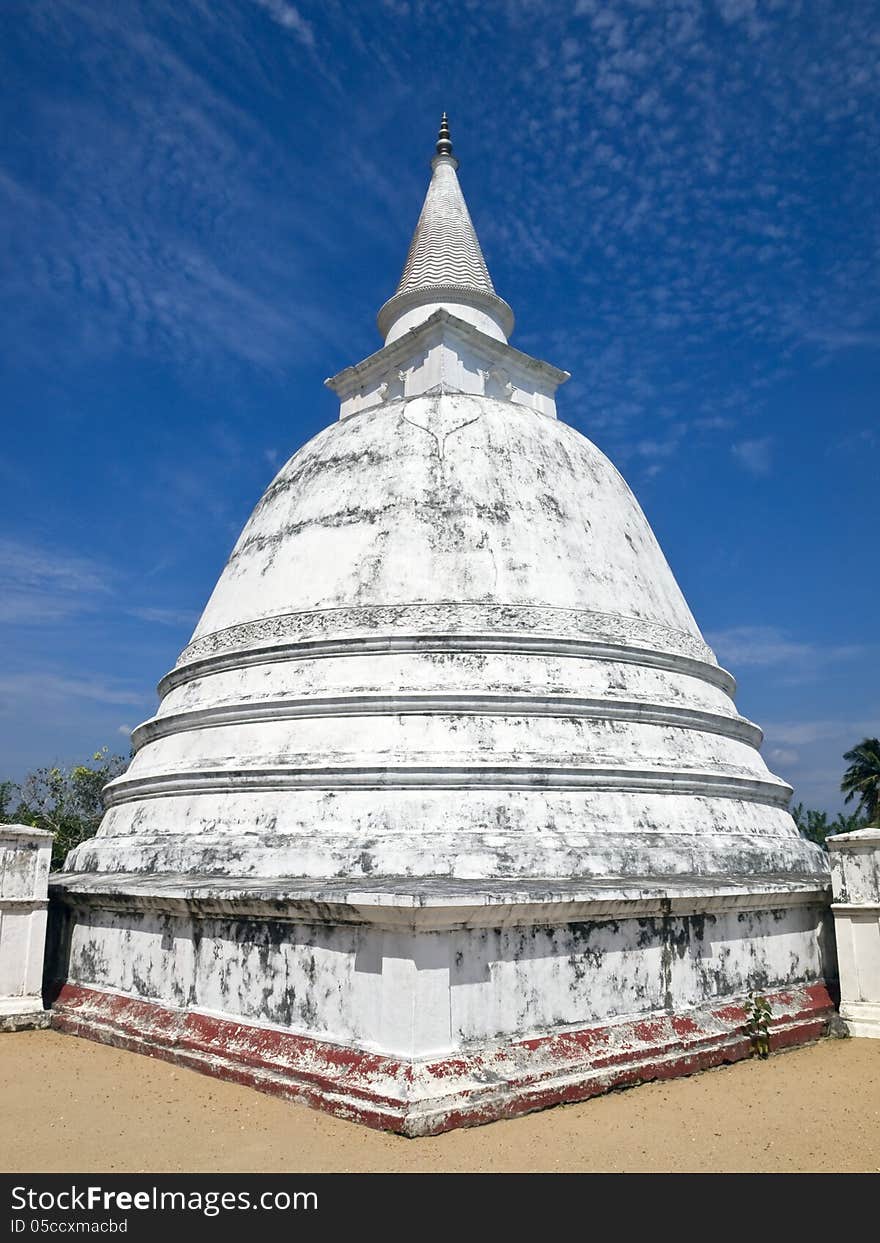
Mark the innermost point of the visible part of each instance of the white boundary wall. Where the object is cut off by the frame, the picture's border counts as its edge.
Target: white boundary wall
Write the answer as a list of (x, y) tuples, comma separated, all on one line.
[(855, 880), (25, 856)]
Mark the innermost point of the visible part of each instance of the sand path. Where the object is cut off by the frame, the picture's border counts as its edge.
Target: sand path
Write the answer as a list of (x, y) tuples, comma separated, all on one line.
[(70, 1105)]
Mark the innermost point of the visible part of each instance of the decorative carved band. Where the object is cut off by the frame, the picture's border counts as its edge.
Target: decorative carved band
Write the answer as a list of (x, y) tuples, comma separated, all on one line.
[(457, 705), (449, 618), (503, 777)]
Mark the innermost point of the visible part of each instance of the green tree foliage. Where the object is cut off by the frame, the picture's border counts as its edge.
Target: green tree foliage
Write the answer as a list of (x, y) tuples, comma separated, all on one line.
[(815, 826), (66, 801), (862, 779)]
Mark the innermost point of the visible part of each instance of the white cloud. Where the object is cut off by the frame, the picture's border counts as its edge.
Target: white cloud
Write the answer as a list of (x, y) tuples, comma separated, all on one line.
[(768, 646), (35, 688), (39, 584), (290, 18), (804, 733), (809, 753), (754, 455), (713, 422), (165, 617), (133, 240), (736, 10), (656, 448)]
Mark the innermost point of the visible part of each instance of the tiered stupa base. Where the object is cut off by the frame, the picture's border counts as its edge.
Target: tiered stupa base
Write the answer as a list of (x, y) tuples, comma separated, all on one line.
[(421, 1007)]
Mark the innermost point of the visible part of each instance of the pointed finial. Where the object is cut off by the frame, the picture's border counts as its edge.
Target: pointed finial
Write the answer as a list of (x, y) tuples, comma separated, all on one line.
[(444, 142)]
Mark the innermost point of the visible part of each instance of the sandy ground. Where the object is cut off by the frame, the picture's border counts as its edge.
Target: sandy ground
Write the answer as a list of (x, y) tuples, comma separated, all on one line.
[(70, 1105)]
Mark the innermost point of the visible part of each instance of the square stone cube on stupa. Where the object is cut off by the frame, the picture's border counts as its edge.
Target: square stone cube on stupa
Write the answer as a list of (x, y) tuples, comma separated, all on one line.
[(446, 813)]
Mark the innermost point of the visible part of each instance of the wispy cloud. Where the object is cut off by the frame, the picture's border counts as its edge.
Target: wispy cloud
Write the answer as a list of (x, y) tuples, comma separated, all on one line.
[(40, 584), (165, 617), (809, 753), (142, 244), (291, 19), (785, 757), (45, 585), (802, 733), (766, 647), (755, 456), (669, 163), (50, 689), (678, 158)]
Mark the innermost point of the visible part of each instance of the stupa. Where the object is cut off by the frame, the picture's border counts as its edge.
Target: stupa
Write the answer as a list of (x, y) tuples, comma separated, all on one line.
[(446, 813)]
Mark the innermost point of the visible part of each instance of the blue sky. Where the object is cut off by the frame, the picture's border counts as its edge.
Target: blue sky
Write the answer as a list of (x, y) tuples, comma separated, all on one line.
[(203, 204)]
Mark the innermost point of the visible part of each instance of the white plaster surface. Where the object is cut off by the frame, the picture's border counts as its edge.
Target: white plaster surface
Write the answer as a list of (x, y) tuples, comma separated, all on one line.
[(448, 644), (444, 353), (855, 878), (412, 309), (416, 973), (25, 854)]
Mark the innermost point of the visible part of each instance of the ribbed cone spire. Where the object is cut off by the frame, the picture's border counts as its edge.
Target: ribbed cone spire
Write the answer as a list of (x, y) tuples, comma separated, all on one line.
[(444, 249), (444, 254)]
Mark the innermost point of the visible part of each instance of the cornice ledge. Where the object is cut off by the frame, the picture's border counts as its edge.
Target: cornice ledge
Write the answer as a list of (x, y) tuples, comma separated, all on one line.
[(433, 703), (481, 299), (354, 377), (723, 782), (438, 903)]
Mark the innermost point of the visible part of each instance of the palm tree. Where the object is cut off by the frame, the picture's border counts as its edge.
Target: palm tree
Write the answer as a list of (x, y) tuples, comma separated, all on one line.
[(862, 779)]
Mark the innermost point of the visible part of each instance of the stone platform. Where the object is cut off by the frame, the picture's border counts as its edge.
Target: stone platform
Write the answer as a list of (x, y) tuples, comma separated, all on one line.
[(418, 1008), (23, 1017)]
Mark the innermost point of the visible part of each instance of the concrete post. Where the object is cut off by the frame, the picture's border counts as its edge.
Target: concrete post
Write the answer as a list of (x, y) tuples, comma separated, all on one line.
[(25, 856), (855, 882)]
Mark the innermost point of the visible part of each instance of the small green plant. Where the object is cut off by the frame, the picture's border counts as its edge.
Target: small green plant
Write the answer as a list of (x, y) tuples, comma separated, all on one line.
[(758, 1012)]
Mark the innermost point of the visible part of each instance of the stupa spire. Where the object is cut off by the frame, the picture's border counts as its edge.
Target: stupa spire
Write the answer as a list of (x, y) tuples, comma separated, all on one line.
[(444, 142), (445, 264)]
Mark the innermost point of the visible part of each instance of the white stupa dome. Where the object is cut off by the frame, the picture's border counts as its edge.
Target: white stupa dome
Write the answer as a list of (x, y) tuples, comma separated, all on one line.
[(447, 643)]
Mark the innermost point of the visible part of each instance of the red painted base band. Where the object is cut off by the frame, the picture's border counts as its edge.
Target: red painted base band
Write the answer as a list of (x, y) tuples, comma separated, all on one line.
[(468, 1088)]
